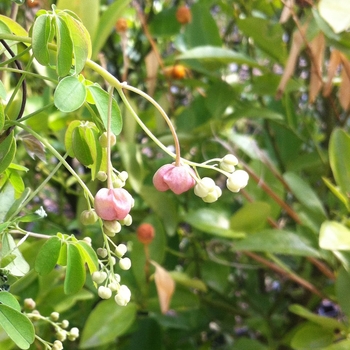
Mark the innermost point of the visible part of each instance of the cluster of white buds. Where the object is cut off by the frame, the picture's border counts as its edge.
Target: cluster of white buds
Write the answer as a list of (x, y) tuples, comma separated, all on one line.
[(118, 180), (207, 190)]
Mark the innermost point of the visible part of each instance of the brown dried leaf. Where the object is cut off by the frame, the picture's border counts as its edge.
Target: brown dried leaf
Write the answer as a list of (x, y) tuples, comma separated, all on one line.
[(33, 146), (317, 47), (295, 49), (334, 62), (165, 286), (152, 65), (344, 90), (287, 11)]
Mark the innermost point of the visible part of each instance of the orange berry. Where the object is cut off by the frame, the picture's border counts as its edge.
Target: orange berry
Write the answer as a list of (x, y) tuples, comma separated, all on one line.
[(178, 72), (122, 25), (33, 3), (145, 233), (183, 15)]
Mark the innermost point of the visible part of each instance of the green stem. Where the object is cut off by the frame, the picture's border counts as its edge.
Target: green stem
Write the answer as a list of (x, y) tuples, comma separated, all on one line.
[(109, 117), (57, 155)]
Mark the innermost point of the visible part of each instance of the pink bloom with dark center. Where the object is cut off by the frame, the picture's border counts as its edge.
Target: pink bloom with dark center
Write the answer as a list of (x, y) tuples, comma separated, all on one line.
[(175, 178), (113, 204)]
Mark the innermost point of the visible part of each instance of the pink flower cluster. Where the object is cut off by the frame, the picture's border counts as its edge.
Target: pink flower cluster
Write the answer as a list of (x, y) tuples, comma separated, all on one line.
[(178, 179)]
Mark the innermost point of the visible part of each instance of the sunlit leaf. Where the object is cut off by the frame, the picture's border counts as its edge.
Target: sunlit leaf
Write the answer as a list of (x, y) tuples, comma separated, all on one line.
[(9, 300), (41, 35), (335, 13), (334, 236), (64, 48)]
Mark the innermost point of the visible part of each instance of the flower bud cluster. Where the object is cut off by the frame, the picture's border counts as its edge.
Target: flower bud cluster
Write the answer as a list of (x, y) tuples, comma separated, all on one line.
[(181, 178)]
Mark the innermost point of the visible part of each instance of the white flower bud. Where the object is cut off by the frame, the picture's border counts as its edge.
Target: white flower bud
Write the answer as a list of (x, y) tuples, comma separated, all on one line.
[(29, 304), (112, 261), (237, 180), (102, 252), (204, 186), (65, 324), (104, 139), (73, 334), (123, 296), (213, 195), (127, 221), (101, 176), (117, 277), (57, 345), (120, 250), (99, 276), (125, 263), (228, 163), (123, 176), (87, 240), (104, 292), (112, 226), (54, 316), (114, 286), (117, 183), (61, 335)]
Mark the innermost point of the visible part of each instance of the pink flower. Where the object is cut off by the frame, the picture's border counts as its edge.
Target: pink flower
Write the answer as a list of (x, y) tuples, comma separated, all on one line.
[(113, 204), (176, 178)]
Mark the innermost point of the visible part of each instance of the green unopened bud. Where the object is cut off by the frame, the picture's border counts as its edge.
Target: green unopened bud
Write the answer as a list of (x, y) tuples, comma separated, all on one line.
[(213, 195), (101, 176), (112, 226), (127, 221), (88, 217), (120, 250), (102, 252), (104, 140)]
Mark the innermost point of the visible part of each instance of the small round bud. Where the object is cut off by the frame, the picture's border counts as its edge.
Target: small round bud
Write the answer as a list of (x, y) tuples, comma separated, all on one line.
[(57, 345), (99, 276), (123, 296), (228, 163), (87, 240), (73, 334), (183, 15), (237, 180), (29, 303), (111, 261), (101, 176), (117, 277), (102, 252), (114, 286), (213, 195), (104, 292), (122, 25), (145, 233), (88, 217), (65, 324), (36, 315), (123, 176), (54, 316), (104, 139), (112, 226), (61, 335), (204, 187), (127, 221), (125, 263), (118, 183), (120, 250)]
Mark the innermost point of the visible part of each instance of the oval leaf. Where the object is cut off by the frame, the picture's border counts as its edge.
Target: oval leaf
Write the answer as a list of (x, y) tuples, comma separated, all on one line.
[(7, 152), (75, 275), (81, 148), (334, 236), (41, 36), (47, 257), (8, 299), (117, 320), (101, 99), (70, 94), (64, 48), (17, 326)]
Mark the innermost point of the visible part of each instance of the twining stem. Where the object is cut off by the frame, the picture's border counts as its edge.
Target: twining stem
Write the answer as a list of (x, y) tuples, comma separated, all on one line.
[(57, 155), (109, 119)]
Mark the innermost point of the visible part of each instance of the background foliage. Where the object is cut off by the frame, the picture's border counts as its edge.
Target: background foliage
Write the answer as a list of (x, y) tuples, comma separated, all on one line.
[(267, 268)]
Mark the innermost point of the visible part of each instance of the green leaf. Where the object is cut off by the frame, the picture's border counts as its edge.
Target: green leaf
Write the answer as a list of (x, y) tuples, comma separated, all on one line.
[(81, 42), (68, 139), (212, 222), (336, 191), (202, 30), (164, 23), (305, 194), (326, 322), (252, 217), (101, 99), (7, 198), (7, 152), (89, 256), (266, 36), (80, 147), (70, 94), (17, 326), (17, 204), (8, 299), (276, 241), (47, 257), (18, 267), (342, 285), (116, 319), (335, 13), (253, 112), (2, 115), (64, 48), (185, 280), (311, 336), (217, 56), (41, 36), (75, 275), (62, 258), (14, 27), (106, 24), (334, 236), (339, 155), (341, 345)]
